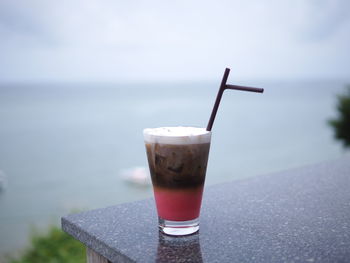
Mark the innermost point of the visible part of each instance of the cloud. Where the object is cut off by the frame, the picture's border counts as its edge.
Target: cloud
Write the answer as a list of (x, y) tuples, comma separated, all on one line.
[(322, 19), (177, 40)]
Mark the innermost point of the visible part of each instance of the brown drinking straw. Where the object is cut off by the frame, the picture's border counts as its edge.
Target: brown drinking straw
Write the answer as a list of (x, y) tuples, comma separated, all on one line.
[(222, 88)]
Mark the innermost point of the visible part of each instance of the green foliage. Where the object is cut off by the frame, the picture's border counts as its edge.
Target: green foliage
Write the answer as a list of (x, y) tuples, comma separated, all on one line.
[(53, 247), (341, 125)]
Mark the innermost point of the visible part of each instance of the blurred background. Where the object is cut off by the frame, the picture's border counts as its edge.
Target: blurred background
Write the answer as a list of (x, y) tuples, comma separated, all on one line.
[(79, 80)]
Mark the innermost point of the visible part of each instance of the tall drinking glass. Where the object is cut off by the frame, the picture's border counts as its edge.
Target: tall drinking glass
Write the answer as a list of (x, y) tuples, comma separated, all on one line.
[(177, 158)]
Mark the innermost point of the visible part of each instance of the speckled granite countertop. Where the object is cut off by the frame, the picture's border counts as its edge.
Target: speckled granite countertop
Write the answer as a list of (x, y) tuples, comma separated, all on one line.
[(300, 215)]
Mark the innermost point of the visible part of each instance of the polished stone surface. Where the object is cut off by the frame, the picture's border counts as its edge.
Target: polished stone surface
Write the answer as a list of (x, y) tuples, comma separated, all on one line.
[(300, 215)]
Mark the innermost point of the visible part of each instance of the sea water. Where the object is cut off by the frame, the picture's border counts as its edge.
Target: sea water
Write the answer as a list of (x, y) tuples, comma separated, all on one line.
[(63, 147)]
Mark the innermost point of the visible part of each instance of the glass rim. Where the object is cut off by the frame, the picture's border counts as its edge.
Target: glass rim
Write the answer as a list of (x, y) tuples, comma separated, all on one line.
[(199, 135)]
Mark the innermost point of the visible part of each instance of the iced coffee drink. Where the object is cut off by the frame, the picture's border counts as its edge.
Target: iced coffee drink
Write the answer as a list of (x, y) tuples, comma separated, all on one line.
[(177, 158)]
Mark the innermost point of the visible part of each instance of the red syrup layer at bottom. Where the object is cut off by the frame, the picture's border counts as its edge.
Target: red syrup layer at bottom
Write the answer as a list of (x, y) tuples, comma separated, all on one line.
[(178, 204)]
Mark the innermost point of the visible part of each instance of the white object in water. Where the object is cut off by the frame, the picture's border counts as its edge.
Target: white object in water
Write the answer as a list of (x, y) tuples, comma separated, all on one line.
[(137, 175)]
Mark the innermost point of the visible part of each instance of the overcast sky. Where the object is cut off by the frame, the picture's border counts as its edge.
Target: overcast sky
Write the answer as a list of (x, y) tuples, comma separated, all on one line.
[(178, 40)]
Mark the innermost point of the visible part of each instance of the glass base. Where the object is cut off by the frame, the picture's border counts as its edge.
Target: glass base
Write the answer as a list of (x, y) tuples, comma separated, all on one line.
[(178, 228)]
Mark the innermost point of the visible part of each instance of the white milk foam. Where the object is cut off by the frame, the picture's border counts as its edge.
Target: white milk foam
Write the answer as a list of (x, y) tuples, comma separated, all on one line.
[(177, 135)]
